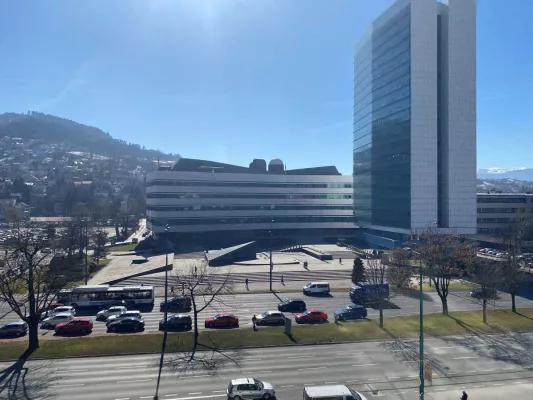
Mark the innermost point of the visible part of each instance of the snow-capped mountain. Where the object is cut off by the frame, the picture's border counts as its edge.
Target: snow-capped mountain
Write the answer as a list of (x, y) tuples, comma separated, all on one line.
[(520, 173)]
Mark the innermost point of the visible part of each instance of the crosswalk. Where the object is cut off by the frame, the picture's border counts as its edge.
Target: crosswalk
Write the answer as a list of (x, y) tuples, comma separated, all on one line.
[(288, 276)]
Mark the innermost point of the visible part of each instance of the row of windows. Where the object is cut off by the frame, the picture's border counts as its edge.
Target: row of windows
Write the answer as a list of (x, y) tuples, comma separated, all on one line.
[(498, 199), (382, 64), (378, 103), (161, 182), (493, 220), (383, 90), (245, 196), (384, 123), (204, 207), (497, 210), (246, 220), (382, 112)]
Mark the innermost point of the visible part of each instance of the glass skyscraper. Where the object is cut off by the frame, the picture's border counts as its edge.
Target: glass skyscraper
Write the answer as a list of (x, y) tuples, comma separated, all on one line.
[(414, 153)]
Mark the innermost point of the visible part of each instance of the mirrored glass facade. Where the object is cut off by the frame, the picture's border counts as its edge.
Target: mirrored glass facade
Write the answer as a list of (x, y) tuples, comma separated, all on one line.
[(381, 155)]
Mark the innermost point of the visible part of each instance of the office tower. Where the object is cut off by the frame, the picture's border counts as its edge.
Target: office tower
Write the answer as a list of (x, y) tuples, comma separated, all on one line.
[(414, 157)]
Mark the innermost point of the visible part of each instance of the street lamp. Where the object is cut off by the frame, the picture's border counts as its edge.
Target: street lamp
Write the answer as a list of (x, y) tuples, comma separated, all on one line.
[(421, 321), (271, 264), (165, 331)]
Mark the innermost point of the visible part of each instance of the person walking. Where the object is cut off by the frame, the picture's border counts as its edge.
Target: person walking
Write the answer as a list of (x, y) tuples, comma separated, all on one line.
[(246, 284), (254, 321), (172, 290), (464, 396), (282, 281)]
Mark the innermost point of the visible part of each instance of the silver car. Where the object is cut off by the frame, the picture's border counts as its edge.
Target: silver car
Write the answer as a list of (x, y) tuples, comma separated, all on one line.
[(250, 388), (51, 322)]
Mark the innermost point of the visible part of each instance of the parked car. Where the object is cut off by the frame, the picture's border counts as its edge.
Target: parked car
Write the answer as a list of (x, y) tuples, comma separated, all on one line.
[(352, 311), (250, 388), (127, 314), (52, 321), (313, 316), (292, 305), (316, 288), (17, 329), (177, 322), (114, 310), (480, 293), (126, 325), (76, 325), (50, 306), (222, 321), (270, 318), (176, 304), (337, 392)]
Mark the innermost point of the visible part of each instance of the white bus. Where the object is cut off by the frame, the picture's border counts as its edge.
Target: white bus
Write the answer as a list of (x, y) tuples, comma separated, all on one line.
[(106, 295)]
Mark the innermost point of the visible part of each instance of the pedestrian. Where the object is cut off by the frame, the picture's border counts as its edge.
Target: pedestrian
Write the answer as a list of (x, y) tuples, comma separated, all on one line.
[(340, 260), (282, 281), (254, 320), (464, 396), (172, 289), (246, 284)]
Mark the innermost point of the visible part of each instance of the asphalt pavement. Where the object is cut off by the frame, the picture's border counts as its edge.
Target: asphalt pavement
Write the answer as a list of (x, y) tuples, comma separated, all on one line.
[(491, 367), (246, 305)]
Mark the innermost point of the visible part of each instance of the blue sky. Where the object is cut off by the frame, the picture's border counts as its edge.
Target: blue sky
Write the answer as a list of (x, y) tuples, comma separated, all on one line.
[(235, 80)]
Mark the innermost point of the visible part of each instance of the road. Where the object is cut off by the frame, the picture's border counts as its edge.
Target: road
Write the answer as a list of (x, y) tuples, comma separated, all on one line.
[(490, 368), (246, 305)]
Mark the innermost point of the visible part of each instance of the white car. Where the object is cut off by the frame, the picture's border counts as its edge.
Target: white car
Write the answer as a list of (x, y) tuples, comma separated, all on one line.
[(52, 321), (105, 314), (59, 310), (130, 314), (250, 388)]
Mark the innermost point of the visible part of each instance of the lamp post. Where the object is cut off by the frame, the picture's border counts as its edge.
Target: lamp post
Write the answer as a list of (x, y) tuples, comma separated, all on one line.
[(86, 251), (421, 322), (165, 331), (271, 264)]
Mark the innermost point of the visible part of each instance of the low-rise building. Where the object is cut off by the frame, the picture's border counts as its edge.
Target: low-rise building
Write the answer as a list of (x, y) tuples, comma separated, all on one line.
[(496, 212)]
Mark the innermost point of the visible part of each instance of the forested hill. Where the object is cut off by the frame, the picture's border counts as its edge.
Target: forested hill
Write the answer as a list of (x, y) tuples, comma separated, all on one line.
[(56, 130)]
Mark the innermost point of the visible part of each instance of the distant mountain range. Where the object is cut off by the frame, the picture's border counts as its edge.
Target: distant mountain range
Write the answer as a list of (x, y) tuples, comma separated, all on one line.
[(75, 136), (522, 173)]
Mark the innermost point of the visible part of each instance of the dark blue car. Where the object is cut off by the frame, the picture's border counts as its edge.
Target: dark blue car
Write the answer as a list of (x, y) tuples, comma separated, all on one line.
[(352, 311)]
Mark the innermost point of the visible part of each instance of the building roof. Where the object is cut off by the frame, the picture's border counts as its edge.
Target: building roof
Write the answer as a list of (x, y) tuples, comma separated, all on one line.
[(195, 165)]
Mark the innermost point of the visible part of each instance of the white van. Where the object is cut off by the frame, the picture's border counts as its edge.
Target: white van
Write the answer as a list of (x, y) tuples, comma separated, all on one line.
[(331, 392), (316, 288)]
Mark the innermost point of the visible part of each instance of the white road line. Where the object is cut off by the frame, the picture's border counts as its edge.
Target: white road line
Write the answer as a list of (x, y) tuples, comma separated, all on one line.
[(364, 365), (72, 385), (198, 397), (218, 391), (135, 380), (72, 370), (439, 389), (284, 386), (478, 386), (446, 347), (394, 377), (352, 381), (471, 372), (518, 383), (372, 379), (146, 397), (465, 358), (329, 383), (301, 357), (123, 398), (305, 369), (264, 372), (196, 393), (345, 354), (497, 384), (488, 370), (397, 393), (413, 376), (509, 368), (134, 367), (168, 395)]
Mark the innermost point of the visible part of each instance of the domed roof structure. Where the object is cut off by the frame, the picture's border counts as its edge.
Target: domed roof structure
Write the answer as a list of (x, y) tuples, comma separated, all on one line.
[(276, 165)]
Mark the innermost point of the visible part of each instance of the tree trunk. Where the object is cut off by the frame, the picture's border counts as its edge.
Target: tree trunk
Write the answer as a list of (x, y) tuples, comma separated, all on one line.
[(381, 316), (33, 338), (196, 333), (444, 306), (484, 311), (513, 302)]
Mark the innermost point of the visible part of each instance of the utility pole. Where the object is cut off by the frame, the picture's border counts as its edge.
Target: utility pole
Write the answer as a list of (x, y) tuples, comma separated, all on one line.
[(86, 251), (421, 330), (165, 315), (271, 264)]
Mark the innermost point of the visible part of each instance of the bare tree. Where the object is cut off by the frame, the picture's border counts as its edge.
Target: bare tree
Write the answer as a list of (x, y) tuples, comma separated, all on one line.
[(206, 287), (488, 274), (442, 256), (378, 292), (99, 240), (28, 284), (513, 240), (399, 269)]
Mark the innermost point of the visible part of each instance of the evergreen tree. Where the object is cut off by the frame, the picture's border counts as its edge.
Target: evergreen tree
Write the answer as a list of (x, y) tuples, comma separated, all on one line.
[(358, 272)]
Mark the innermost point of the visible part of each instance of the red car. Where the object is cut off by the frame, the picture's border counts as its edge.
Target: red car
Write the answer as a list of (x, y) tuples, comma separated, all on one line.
[(222, 321), (312, 315), (76, 325), (51, 306)]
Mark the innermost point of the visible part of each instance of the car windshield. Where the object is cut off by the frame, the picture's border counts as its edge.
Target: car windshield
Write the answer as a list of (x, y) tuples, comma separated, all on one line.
[(307, 313), (259, 383), (265, 314)]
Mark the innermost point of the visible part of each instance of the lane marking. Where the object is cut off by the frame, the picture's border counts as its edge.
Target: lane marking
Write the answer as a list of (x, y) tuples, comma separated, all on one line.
[(364, 365), (372, 379), (352, 381), (394, 377), (218, 391), (196, 393), (72, 370), (146, 397), (399, 393), (301, 357), (413, 376), (329, 383), (305, 369), (197, 397), (345, 354), (518, 383), (167, 395), (123, 398), (445, 347), (72, 385), (135, 380), (465, 358), (284, 386), (471, 372), (497, 384), (488, 370), (134, 367)]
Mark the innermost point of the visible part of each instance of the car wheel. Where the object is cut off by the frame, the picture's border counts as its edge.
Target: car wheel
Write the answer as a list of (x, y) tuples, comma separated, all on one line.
[(83, 331), (188, 327), (237, 398), (46, 325), (266, 396)]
